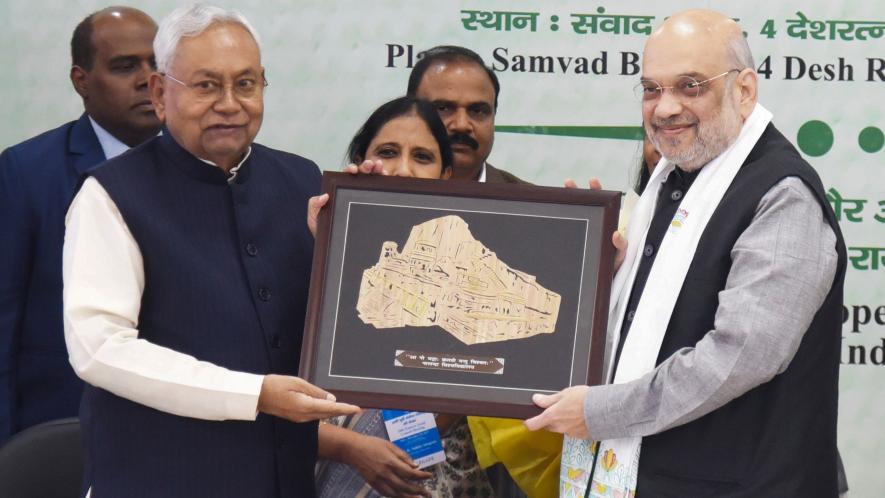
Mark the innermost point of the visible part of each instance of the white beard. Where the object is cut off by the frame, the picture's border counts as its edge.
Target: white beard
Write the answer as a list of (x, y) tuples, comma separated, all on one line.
[(713, 137)]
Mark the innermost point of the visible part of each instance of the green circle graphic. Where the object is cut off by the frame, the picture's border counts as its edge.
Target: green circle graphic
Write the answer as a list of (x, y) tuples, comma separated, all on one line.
[(815, 138), (871, 139)]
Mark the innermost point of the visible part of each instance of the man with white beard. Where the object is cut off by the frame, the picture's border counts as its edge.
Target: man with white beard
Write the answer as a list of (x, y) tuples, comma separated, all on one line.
[(726, 312)]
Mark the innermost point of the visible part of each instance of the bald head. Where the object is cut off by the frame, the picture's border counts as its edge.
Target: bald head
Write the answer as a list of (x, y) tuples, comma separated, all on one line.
[(122, 12), (700, 22), (113, 56), (709, 35), (700, 62), (82, 45), (699, 37)]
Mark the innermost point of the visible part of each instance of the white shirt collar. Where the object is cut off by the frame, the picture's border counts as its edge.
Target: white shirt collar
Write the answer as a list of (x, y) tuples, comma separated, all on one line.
[(111, 146), (482, 174), (233, 171)]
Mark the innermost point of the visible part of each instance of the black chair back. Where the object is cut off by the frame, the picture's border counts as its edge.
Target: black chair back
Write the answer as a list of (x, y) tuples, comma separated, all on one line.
[(44, 461)]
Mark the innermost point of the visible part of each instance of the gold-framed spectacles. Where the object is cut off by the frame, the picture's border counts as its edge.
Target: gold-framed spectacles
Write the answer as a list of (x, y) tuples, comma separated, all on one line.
[(213, 89), (686, 87)]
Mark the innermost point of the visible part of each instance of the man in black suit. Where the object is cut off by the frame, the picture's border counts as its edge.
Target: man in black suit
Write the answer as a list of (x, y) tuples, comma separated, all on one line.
[(112, 58), (465, 92)]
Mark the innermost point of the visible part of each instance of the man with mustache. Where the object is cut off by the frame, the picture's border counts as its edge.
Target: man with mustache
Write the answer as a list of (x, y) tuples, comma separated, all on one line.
[(465, 92), (112, 58), (726, 311), (186, 275)]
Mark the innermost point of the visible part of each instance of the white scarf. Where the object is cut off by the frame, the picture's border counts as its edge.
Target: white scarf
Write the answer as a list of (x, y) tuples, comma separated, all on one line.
[(618, 462)]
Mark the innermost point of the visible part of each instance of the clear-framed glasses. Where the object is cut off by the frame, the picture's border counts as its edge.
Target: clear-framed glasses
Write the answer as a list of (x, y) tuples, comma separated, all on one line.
[(212, 89), (686, 87)]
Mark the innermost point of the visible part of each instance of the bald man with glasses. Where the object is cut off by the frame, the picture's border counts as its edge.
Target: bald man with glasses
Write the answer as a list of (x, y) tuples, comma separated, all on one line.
[(726, 311)]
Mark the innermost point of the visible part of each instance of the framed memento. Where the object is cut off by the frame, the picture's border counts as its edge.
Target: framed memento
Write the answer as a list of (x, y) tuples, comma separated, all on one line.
[(457, 297)]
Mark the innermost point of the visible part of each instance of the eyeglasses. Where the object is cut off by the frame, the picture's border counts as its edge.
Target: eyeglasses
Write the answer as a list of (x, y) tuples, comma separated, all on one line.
[(686, 87), (213, 90)]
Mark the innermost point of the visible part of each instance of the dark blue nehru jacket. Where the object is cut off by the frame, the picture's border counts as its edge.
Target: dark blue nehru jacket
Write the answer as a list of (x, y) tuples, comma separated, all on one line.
[(226, 277)]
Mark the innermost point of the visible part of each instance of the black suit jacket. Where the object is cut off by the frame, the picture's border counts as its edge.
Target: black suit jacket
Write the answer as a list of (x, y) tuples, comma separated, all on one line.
[(38, 178), (495, 175)]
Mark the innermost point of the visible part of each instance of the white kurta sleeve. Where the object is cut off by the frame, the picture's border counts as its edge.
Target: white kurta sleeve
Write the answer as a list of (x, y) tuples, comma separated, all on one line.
[(103, 284)]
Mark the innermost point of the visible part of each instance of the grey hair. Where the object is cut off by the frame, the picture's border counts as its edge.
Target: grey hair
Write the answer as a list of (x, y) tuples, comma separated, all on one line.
[(739, 54), (192, 20)]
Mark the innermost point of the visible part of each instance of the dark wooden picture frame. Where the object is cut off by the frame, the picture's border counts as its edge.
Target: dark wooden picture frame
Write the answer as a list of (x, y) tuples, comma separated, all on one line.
[(560, 236)]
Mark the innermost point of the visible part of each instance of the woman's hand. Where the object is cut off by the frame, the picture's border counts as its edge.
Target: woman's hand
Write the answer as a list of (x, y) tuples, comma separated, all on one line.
[(387, 468), (383, 465)]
